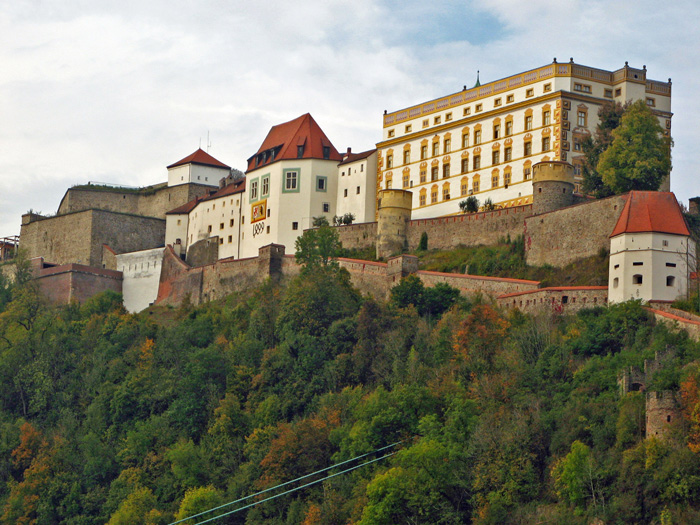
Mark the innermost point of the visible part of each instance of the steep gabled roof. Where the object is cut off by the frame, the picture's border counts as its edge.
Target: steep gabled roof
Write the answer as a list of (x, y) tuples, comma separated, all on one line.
[(200, 157), (185, 208), (283, 140), (651, 211), (235, 187)]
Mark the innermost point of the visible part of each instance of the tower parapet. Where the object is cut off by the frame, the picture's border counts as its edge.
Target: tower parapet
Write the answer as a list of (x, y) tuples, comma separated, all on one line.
[(552, 186), (394, 213)]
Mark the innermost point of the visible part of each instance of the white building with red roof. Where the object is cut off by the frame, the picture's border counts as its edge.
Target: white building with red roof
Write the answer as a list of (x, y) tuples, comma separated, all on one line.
[(357, 183), (197, 168), (649, 249)]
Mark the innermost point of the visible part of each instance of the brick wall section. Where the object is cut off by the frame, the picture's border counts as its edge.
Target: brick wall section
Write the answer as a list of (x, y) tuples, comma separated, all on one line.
[(76, 282), (358, 236), (78, 237), (563, 236), (565, 299), (469, 229), (150, 203)]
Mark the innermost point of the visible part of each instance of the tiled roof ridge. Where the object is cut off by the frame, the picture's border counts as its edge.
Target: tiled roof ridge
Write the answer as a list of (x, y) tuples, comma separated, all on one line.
[(651, 211), (200, 157)]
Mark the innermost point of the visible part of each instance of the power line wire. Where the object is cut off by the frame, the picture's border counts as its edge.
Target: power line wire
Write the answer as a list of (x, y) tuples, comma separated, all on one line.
[(286, 483), (294, 489)]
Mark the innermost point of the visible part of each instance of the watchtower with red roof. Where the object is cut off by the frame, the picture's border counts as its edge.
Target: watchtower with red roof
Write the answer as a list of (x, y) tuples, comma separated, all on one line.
[(649, 249), (197, 168)]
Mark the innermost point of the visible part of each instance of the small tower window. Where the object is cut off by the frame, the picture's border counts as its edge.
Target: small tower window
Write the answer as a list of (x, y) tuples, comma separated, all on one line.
[(670, 280), (637, 279)]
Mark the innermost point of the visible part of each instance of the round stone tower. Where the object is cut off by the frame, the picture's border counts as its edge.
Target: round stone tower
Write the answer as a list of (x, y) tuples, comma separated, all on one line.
[(552, 186), (394, 212)]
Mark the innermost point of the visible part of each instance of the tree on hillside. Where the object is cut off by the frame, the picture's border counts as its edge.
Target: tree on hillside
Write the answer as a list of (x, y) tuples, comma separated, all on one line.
[(640, 154), (609, 116), (317, 248)]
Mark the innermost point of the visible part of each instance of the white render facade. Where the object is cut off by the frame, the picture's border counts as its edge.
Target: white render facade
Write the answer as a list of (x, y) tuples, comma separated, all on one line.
[(196, 173), (484, 141), (650, 266), (357, 180), (141, 271)]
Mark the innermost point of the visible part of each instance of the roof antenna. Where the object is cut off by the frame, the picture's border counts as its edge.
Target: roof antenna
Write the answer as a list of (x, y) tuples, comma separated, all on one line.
[(208, 142), (200, 142)]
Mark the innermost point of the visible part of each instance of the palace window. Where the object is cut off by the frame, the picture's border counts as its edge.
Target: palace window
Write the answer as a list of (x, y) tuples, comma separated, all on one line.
[(436, 148), (583, 88), (479, 107), (448, 117), (465, 140), (436, 120), (389, 161), (528, 148), (547, 88), (497, 102), (407, 156), (545, 143), (496, 131), (581, 120), (445, 170), (477, 137), (408, 128), (545, 118), (446, 192), (507, 154), (465, 165), (608, 93), (495, 157), (424, 152), (510, 98), (530, 93), (467, 111), (509, 128), (426, 123), (464, 186), (447, 145), (390, 133), (527, 172), (477, 162), (433, 194), (422, 198), (475, 184), (506, 178), (528, 122), (406, 177), (434, 173), (423, 175), (494, 181)]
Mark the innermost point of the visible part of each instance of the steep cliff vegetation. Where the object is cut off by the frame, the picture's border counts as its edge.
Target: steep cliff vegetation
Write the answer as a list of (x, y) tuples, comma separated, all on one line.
[(107, 417)]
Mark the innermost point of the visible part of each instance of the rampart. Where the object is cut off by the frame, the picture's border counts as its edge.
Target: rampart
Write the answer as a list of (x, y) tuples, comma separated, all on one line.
[(559, 299), (178, 280), (560, 237), (153, 201), (358, 236), (78, 237), (76, 282), (683, 320)]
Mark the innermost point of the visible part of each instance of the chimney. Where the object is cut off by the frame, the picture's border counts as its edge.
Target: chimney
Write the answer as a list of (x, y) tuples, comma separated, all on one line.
[(345, 157)]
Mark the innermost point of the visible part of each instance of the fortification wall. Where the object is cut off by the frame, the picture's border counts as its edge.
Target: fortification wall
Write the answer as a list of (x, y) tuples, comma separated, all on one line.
[(661, 412), (689, 325), (78, 237), (358, 236), (76, 282), (560, 237), (150, 202), (60, 240), (370, 278), (566, 299), (469, 229), (470, 284)]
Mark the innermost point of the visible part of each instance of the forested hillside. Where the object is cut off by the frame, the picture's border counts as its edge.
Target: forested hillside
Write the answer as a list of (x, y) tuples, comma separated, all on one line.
[(107, 417)]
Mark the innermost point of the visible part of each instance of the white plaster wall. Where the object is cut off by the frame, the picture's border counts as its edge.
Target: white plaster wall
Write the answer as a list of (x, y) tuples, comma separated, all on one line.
[(362, 173), (655, 258), (141, 272), (176, 228), (208, 175), (179, 175)]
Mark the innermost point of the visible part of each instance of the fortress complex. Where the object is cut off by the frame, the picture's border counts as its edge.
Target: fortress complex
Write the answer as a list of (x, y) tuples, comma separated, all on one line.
[(484, 141)]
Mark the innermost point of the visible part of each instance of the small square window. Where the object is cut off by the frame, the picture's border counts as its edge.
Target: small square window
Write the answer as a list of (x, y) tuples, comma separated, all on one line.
[(547, 88), (618, 92), (295, 226), (358, 190), (390, 133), (467, 111), (448, 117), (510, 98), (608, 93), (497, 102), (530, 93), (651, 102), (221, 240), (408, 128), (426, 123), (326, 207), (436, 120), (479, 107)]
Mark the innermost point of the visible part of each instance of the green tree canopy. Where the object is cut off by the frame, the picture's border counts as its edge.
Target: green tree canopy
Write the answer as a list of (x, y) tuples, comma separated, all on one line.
[(640, 154), (609, 116)]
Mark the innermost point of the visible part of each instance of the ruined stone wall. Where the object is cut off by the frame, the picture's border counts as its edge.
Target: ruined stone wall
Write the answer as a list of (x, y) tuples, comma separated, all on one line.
[(662, 411), (469, 229), (150, 202), (560, 237), (566, 299), (78, 237)]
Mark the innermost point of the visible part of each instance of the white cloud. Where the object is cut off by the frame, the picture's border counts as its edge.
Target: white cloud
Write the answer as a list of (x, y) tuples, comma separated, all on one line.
[(115, 91)]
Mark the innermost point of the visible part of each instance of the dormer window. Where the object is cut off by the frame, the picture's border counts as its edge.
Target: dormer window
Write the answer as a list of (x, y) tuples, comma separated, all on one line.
[(326, 152), (300, 151)]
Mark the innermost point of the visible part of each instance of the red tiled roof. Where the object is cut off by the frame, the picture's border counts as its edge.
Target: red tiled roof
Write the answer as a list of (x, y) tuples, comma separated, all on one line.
[(185, 208), (200, 157), (235, 187), (284, 139), (651, 211), (555, 289), (352, 157)]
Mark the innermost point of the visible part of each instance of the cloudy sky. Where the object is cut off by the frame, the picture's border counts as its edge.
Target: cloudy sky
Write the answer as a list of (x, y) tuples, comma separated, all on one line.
[(114, 91)]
